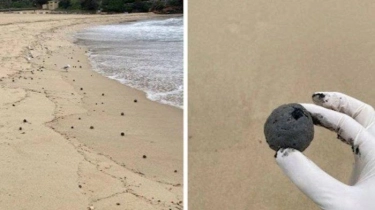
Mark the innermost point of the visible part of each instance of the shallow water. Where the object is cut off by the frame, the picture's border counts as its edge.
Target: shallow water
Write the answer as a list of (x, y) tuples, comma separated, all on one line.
[(146, 55)]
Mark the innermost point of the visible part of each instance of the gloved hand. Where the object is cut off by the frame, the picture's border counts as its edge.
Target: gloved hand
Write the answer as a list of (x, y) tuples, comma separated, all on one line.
[(353, 121)]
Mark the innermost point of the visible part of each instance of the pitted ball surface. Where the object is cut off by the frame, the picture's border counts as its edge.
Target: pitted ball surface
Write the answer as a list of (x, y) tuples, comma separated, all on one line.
[(289, 126)]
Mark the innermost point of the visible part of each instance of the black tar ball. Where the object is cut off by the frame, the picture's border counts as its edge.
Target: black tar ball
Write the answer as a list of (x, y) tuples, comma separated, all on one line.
[(289, 126)]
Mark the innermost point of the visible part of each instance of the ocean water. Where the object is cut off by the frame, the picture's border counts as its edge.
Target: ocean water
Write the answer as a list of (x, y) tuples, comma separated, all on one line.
[(146, 55)]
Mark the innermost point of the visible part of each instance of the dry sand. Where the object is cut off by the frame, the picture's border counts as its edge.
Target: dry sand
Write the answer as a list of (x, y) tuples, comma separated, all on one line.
[(53, 160), (245, 59)]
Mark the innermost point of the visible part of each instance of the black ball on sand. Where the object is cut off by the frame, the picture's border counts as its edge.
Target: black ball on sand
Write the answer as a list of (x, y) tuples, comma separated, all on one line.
[(20, 128), (135, 100), (81, 88), (91, 127), (122, 134), (144, 156), (24, 120), (102, 94), (289, 126), (122, 114)]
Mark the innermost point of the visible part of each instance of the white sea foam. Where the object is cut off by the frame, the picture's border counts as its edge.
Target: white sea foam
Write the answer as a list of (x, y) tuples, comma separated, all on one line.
[(146, 55)]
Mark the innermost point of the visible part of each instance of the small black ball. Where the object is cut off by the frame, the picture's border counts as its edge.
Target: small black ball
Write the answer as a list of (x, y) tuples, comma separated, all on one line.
[(289, 126)]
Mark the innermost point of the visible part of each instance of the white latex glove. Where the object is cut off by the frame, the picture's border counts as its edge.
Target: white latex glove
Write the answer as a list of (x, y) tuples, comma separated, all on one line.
[(353, 121)]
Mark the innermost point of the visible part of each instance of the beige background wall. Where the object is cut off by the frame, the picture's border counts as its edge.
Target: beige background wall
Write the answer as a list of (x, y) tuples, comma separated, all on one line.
[(246, 58)]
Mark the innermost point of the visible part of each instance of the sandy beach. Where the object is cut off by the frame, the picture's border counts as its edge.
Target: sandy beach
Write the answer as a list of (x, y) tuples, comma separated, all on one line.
[(65, 143), (247, 58)]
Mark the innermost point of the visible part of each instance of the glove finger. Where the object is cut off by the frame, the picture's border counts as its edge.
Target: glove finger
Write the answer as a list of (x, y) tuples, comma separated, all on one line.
[(322, 188), (348, 130), (358, 110), (356, 171)]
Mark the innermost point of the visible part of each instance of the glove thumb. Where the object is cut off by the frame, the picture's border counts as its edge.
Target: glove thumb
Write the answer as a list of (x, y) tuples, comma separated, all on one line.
[(323, 189)]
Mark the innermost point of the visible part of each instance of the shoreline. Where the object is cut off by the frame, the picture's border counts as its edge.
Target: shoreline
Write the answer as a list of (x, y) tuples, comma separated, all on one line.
[(128, 86), (81, 42), (104, 169)]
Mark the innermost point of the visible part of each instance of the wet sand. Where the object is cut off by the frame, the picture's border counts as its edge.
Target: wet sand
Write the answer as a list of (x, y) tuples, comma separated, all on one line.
[(65, 143), (249, 57)]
